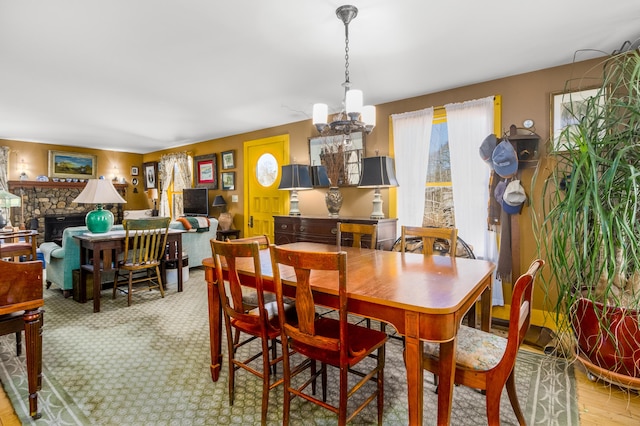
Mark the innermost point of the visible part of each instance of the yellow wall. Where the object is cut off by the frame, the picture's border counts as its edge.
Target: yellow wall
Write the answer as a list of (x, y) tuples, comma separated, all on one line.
[(525, 96)]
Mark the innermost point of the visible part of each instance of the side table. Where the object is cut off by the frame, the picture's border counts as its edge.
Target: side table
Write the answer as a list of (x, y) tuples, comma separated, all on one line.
[(223, 235)]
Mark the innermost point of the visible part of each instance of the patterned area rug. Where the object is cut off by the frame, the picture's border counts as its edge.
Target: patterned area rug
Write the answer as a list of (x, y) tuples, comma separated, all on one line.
[(149, 364)]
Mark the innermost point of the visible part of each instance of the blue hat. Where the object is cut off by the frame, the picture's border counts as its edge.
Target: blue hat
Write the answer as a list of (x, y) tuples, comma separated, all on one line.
[(505, 159)]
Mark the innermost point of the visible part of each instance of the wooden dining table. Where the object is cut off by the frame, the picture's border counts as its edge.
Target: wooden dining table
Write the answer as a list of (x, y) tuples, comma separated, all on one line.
[(423, 297)]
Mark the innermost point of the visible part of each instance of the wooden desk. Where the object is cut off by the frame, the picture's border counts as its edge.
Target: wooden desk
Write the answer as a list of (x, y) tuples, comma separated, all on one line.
[(99, 252), (12, 246), (21, 290), (424, 298)]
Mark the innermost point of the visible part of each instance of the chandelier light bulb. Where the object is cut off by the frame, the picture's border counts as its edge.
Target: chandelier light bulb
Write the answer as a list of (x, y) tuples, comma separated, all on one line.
[(369, 115), (353, 103)]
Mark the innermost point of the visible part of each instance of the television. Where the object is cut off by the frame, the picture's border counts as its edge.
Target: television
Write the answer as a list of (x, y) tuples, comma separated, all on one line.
[(195, 201)]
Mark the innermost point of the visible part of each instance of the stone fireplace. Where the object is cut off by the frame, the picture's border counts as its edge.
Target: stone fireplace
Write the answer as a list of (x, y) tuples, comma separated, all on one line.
[(53, 200)]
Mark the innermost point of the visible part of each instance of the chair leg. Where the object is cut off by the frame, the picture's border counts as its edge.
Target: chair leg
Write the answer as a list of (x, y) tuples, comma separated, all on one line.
[(380, 377), (159, 277), (323, 370), (493, 404), (513, 397), (274, 355), (130, 288), (342, 407), (18, 343), (287, 382), (266, 370)]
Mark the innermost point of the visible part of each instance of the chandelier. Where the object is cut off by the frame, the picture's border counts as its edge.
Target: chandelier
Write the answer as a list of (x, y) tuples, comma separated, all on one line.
[(354, 117)]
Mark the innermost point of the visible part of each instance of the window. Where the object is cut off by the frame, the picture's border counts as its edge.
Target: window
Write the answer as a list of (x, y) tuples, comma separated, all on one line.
[(438, 208)]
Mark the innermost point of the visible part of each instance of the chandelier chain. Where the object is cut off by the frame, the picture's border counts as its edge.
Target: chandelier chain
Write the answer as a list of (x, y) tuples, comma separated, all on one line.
[(346, 56)]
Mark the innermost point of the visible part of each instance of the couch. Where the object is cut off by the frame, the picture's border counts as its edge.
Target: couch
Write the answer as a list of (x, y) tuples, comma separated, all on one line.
[(61, 261)]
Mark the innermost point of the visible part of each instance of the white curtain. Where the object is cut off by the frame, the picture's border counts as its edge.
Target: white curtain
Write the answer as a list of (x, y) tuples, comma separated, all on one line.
[(411, 140), (174, 167), (468, 124), (4, 167)]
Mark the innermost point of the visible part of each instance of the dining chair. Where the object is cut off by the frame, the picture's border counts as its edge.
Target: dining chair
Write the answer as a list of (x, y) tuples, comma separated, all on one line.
[(21, 300), (431, 237), (258, 323), (330, 341), (144, 247), (357, 231), (485, 361), (249, 294)]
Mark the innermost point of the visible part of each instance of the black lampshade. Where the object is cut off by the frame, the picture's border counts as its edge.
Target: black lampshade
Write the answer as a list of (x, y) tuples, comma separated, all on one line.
[(319, 177), (219, 201), (295, 176), (378, 171)]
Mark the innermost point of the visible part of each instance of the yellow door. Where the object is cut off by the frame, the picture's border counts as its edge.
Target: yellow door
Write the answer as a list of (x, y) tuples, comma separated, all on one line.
[(264, 159)]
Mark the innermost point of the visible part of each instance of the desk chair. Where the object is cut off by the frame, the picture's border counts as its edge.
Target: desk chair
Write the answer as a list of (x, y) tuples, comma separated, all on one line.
[(330, 341), (144, 247), (258, 323), (486, 361), (20, 303)]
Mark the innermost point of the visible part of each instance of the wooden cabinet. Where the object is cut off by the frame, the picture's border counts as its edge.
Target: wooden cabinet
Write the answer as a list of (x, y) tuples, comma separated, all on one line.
[(319, 229)]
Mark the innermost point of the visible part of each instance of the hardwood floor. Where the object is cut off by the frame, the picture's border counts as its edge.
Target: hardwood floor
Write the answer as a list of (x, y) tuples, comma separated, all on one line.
[(599, 404)]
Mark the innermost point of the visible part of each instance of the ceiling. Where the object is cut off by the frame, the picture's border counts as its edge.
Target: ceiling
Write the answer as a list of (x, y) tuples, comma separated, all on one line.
[(145, 75)]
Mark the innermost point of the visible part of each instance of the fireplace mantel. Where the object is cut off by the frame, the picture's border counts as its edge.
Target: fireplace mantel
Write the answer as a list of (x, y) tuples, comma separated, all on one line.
[(16, 184)]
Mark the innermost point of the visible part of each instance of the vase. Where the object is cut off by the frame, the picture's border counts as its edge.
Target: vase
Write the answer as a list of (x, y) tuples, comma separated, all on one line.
[(334, 201)]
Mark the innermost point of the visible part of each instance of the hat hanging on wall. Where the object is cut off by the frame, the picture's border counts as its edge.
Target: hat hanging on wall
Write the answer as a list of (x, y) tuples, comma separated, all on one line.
[(486, 149), (514, 197), (505, 159), (499, 191)]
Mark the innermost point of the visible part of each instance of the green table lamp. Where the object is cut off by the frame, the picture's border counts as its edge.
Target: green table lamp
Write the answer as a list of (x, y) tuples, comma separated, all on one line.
[(99, 192)]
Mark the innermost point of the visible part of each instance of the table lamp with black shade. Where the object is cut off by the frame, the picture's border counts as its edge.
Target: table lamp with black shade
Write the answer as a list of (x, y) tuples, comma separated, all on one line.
[(8, 200), (377, 172), (99, 192), (319, 178), (295, 177)]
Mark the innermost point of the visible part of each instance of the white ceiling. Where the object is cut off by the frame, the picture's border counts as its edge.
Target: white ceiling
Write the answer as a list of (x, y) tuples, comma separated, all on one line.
[(145, 75)]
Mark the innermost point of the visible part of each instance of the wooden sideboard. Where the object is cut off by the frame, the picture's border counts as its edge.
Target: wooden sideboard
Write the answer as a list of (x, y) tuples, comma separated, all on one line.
[(320, 229)]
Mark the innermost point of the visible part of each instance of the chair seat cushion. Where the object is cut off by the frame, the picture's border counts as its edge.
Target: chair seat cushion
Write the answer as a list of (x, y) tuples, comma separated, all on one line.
[(362, 341), (475, 349)]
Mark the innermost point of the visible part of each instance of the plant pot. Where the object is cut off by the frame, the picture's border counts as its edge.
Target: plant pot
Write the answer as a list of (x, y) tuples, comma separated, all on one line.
[(608, 339), (334, 201)]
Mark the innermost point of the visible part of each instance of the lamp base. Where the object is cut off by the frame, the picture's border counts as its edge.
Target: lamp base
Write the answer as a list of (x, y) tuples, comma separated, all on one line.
[(99, 221), (293, 204), (377, 205)]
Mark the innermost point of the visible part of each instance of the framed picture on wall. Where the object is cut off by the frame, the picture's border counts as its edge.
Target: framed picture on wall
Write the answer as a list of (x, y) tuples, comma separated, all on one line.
[(150, 171), (70, 165), (135, 171), (228, 181), (567, 109), (205, 168), (228, 160)]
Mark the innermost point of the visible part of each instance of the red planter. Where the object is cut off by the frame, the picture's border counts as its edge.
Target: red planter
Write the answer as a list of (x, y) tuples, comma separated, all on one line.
[(609, 337)]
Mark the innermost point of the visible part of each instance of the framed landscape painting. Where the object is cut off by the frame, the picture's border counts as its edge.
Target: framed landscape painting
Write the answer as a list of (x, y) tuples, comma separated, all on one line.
[(70, 165), (205, 168)]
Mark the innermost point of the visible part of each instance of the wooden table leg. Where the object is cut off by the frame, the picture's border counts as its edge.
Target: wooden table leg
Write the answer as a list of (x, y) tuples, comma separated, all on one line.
[(33, 342), (446, 380), (215, 321), (97, 285), (413, 362), (485, 306)]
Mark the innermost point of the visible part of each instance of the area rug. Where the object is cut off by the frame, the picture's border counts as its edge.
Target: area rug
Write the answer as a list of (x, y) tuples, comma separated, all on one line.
[(148, 364)]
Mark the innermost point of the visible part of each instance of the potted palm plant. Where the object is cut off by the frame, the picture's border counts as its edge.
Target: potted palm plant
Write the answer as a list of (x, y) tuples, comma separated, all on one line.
[(588, 229)]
